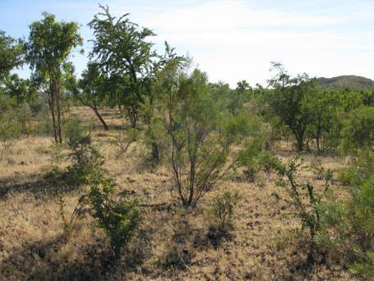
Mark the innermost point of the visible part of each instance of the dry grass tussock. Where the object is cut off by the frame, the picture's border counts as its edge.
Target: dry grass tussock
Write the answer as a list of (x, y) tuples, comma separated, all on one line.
[(172, 243)]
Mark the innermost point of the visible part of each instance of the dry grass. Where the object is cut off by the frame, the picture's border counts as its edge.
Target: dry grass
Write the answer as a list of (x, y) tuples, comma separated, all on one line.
[(172, 244)]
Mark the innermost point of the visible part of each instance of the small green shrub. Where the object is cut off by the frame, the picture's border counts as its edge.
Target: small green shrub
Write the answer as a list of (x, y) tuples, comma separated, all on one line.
[(364, 267), (348, 232), (358, 130), (257, 161), (118, 218), (267, 161), (38, 106), (43, 126), (348, 224), (85, 158), (10, 129), (73, 130), (23, 116), (223, 208), (360, 170), (305, 198)]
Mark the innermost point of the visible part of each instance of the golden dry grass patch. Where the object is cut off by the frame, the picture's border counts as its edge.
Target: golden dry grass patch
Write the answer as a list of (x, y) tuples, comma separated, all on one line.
[(171, 244)]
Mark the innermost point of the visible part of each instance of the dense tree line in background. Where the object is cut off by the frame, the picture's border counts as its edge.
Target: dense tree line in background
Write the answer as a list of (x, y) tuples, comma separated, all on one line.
[(202, 131)]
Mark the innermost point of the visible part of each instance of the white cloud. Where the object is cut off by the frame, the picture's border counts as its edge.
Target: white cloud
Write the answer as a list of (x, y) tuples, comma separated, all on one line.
[(231, 40), (226, 15), (235, 39)]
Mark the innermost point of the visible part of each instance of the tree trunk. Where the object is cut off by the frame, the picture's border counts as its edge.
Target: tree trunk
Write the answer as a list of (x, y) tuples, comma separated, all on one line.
[(300, 141), (132, 115), (52, 108), (318, 145), (58, 103), (100, 117)]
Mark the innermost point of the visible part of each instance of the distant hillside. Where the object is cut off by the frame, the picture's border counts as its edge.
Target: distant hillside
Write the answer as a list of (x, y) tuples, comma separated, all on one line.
[(346, 81)]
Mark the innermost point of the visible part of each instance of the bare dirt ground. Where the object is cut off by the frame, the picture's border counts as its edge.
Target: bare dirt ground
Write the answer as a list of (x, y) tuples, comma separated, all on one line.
[(172, 243)]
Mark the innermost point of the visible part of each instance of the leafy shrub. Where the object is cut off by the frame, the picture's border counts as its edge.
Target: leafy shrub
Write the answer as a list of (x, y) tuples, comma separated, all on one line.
[(348, 225), (200, 138), (43, 126), (73, 130), (38, 106), (252, 157), (364, 267), (118, 218), (360, 170), (84, 157), (305, 198), (223, 208), (10, 129), (68, 223), (23, 115), (358, 131), (267, 161)]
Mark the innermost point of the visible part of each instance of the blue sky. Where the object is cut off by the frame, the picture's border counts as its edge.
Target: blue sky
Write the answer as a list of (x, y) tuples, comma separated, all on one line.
[(232, 40)]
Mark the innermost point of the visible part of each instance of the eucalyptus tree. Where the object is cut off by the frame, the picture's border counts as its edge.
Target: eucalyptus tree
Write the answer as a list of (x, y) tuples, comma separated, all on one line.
[(323, 107), (48, 50), (93, 90), (122, 51), (288, 102), (21, 90), (239, 97), (11, 52)]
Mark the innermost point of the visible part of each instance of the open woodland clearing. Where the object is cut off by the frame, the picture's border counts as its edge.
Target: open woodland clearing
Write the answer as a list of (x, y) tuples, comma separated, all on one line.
[(141, 168), (171, 244)]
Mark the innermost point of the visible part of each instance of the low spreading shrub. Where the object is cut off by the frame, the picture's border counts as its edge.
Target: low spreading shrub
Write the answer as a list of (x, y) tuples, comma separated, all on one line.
[(223, 208), (348, 223)]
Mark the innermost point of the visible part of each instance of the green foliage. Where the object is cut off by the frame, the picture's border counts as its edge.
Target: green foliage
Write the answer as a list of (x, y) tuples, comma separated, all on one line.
[(223, 208), (93, 90), (304, 197), (44, 126), (254, 156), (288, 102), (78, 213), (11, 53), (84, 157), (38, 107), (358, 131), (267, 161), (349, 224), (323, 108), (20, 90), (364, 268), (122, 52), (232, 100), (48, 48), (57, 155), (360, 170), (118, 218), (200, 137), (73, 130), (10, 128)]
